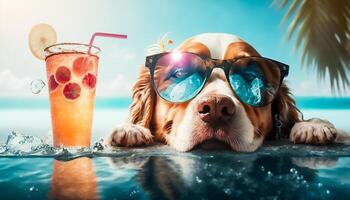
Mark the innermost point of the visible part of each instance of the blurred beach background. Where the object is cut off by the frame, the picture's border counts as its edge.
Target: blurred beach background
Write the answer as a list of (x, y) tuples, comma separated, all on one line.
[(32, 116), (257, 22)]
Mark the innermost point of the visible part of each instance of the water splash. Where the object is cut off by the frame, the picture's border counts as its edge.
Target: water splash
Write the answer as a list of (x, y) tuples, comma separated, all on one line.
[(37, 85), (2, 148), (20, 145)]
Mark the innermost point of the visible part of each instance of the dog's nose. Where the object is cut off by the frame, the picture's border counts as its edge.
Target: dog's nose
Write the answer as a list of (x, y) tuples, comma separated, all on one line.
[(218, 108)]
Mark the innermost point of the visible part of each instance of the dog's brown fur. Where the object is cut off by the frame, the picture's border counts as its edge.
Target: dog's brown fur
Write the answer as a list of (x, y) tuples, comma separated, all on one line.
[(151, 114)]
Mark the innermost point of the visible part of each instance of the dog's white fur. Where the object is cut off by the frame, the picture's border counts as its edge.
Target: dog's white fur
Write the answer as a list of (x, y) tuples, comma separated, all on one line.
[(241, 132), (217, 43), (183, 139)]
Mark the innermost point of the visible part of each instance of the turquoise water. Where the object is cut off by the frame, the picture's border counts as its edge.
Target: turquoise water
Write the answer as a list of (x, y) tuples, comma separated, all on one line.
[(104, 103), (43, 103), (276, 171)]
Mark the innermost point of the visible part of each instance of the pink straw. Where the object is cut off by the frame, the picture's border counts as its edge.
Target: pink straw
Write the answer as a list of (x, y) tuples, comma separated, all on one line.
[(111, 35)]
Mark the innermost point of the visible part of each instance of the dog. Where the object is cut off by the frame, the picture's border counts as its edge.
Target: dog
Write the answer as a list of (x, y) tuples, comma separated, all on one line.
[(216, 116)]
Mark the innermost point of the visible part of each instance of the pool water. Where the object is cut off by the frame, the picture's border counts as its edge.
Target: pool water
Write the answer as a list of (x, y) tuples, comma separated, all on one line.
[(276, 171)]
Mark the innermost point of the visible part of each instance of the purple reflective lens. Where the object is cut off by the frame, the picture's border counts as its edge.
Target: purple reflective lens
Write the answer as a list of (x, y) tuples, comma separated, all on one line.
[(178, 76)]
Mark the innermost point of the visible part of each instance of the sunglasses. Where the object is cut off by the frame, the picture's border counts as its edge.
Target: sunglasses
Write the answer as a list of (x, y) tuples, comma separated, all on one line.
[(179, 76)]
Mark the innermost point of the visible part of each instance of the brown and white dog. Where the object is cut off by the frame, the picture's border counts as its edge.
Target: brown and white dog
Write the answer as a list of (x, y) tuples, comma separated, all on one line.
[(244, 128)]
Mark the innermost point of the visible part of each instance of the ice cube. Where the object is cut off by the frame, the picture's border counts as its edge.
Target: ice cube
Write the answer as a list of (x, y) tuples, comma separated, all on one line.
[(178, 91), (21, 144), (256, 88), (182, 89), (241, 87), (37, 85), (249, 92)]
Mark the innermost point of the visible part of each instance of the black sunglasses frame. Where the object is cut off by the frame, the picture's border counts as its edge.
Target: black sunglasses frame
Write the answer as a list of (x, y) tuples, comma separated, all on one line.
[(211, 64)]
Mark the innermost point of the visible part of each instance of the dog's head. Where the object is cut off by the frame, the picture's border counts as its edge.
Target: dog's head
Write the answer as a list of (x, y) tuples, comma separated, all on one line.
[(215, 114)]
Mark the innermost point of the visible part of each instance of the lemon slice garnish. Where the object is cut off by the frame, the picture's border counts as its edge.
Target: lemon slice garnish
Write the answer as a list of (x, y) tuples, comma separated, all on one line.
[(40, 37)]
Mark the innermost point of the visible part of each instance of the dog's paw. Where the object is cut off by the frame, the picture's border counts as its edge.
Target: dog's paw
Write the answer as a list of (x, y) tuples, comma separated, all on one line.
[(130, 135), (314, 131)]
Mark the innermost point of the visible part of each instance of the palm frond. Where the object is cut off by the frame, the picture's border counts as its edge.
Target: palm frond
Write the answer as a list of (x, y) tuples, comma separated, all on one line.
[(322, 31)]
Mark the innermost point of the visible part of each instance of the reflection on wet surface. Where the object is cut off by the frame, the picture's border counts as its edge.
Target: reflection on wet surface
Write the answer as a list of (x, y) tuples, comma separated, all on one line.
[(274, 172), (75, 179), (226, 177)]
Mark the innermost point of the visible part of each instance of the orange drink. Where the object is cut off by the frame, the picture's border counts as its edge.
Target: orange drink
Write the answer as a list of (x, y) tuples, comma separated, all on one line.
[(71, 74), (74, 179)]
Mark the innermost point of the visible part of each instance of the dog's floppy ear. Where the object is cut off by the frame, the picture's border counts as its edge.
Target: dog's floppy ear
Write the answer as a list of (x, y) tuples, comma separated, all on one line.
[(141, 108), (284, 106)]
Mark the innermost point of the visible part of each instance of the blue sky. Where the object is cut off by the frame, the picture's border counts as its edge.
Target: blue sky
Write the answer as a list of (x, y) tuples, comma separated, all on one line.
[(257, 22)]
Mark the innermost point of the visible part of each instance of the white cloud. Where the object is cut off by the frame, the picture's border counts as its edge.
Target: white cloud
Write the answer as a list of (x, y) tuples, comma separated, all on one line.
[(314, 87), (12, 85)]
